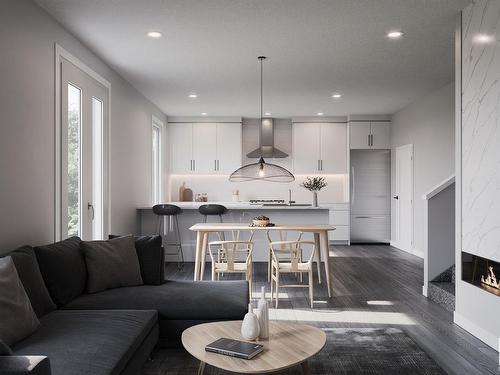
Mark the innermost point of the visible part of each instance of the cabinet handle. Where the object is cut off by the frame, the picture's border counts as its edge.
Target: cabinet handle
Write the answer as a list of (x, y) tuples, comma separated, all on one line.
[(218, 164), (318, 165), (194, 165), (191, 165), (321, 164), (215, 165), (369, 139)]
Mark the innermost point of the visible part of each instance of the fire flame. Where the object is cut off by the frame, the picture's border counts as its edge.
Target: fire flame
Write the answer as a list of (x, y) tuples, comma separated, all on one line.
[(491, 279)]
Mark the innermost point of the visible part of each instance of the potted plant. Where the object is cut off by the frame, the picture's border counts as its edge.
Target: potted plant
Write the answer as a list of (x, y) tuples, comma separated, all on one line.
[(314, 184)]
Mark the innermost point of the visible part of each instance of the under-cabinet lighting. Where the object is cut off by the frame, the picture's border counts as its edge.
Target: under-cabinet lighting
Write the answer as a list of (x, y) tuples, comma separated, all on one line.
[(154, 34)]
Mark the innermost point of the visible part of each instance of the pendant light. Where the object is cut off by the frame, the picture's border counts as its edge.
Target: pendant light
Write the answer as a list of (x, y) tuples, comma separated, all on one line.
[(261, 170)]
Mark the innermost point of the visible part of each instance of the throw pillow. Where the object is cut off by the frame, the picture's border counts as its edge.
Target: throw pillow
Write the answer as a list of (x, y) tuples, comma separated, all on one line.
[(151, 258), (17, 318), (4, 349), (111, 264), (63, 268), (29, 272)]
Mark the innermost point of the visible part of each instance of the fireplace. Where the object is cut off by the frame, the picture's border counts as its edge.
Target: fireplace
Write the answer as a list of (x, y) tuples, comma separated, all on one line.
[(481, 272)]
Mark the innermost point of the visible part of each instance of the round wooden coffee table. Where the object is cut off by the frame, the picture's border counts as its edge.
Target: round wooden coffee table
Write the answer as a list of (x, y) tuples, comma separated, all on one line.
[(289, 344)]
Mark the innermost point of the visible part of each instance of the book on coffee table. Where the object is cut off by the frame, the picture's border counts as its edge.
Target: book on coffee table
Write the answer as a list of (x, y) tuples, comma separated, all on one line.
[(235, 348)]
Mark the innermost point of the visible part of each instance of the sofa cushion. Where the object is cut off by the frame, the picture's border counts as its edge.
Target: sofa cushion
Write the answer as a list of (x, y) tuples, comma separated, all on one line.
[(17, 318), (89, 342), (29, 272), (111, 264), (63, 269), (151, 258), (195, 300)]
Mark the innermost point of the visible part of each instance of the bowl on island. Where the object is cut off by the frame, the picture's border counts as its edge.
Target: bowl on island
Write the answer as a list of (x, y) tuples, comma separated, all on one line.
[(260, 221)]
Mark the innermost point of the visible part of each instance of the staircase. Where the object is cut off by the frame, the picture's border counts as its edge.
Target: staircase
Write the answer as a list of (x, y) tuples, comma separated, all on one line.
[(442, 289)]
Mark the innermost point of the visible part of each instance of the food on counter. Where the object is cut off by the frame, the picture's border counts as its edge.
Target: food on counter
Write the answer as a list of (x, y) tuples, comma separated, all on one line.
[(261, 221)]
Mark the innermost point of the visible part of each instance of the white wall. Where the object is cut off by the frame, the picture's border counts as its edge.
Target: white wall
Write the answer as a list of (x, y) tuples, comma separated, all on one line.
[(478, 157), (428, 124), (27, 37)]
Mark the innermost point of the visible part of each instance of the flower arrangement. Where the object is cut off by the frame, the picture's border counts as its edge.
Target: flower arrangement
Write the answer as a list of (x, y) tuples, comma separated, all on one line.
[(314, 183)]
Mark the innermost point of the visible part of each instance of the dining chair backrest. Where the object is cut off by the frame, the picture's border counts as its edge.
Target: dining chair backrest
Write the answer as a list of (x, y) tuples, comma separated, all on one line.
[(290, 252)]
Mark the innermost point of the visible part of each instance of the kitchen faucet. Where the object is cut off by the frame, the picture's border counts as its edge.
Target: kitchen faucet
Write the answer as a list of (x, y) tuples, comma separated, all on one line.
[(290, 202)]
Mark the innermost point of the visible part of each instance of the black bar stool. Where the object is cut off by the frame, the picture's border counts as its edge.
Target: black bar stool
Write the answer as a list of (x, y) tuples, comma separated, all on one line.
[(213, 210), (170, 211)]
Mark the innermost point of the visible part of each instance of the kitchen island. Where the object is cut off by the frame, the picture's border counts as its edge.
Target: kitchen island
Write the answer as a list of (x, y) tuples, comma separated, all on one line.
[(238, 212)]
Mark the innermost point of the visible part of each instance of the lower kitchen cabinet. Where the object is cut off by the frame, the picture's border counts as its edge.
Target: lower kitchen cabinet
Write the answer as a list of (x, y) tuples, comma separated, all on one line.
[(339, 217)]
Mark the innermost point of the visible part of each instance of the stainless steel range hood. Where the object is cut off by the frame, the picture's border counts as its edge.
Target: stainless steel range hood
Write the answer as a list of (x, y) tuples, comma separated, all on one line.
[(266, 148)]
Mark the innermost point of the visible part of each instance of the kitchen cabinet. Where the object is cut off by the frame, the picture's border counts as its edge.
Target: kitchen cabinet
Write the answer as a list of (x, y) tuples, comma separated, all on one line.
[(320, 148), (205, 148), (229, 148), (181, 148), (339, 217), (365, 135)]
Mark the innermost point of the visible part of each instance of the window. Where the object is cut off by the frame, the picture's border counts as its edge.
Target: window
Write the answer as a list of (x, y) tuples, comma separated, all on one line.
[(156, 180)]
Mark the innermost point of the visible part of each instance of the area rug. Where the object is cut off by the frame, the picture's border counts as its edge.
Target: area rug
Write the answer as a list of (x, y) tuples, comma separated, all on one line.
[(348, 351)]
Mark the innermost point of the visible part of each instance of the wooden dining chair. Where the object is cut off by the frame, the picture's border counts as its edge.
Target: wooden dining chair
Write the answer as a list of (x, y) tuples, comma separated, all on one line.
[(283, 237), (232, 257), (287, 258)]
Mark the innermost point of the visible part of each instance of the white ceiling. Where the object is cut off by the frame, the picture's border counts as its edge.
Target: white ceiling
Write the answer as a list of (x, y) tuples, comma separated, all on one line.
[(314, 48)]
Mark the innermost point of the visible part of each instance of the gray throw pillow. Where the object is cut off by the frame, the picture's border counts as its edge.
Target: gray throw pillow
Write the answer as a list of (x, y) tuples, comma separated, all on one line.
[(111, 264), (17, 318), (4, 349)]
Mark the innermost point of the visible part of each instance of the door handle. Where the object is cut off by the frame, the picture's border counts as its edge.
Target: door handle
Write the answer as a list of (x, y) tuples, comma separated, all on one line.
[(90, 206), (396, 197)]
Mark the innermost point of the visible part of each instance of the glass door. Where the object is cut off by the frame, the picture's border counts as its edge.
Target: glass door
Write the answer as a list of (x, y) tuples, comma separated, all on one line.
[(83, 164)]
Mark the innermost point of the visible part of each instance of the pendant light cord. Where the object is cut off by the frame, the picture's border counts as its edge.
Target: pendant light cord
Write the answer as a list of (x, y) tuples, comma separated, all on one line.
[(261, 59)]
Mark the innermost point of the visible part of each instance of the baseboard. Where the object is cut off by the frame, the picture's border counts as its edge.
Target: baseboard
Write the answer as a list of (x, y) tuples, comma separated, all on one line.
[(476, 331), (413, 251)]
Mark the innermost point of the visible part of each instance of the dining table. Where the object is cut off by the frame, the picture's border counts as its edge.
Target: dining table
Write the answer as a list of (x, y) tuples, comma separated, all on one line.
[(320, 232)]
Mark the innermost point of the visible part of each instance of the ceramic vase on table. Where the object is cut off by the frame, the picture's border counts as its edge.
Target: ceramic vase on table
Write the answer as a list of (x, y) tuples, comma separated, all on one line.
[(250, 327), (263, 315), (315, 199)]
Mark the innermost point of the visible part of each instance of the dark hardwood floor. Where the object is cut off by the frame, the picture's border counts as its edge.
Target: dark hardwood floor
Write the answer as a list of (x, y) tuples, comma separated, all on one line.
[(377, 286)]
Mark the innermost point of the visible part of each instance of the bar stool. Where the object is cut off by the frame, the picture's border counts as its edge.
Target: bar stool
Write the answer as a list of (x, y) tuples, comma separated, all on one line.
[(170, 211)]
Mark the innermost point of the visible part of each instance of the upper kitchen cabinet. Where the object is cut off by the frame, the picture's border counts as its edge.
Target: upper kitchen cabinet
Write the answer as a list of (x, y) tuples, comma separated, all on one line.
[(205, 148), (369, 135), (229, 147), (320, 148), (181, 148)]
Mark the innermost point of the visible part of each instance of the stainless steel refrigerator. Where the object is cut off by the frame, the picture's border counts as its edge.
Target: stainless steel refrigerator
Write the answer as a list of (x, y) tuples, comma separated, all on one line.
[(370, 196)]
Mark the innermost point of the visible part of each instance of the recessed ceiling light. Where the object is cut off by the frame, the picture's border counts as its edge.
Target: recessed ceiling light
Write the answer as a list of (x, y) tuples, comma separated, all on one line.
[(394, 34), (320, 113), (203, 113), (483, 38), (193, 96), (336, 96), (267, 114), (154, 34)]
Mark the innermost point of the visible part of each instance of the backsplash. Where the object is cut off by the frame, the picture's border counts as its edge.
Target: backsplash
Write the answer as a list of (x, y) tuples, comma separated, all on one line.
[(219, 188)]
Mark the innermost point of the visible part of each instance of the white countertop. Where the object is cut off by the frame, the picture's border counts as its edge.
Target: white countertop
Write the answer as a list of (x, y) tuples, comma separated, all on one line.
[(239, 206)]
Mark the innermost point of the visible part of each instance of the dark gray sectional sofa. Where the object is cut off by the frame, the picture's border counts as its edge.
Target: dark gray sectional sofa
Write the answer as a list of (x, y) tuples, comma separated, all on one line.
[(111, 332)]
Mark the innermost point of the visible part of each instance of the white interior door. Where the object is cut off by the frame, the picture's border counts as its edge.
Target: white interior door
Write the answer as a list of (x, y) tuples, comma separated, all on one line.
[(403, 198), (84, 119)]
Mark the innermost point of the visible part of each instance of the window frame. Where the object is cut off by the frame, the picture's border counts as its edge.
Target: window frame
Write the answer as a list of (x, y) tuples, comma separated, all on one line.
[(157, 185)]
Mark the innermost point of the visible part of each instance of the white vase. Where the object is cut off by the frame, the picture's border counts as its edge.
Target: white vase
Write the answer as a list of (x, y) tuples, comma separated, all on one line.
[(250, 327), (263, 315), (315, 199)]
